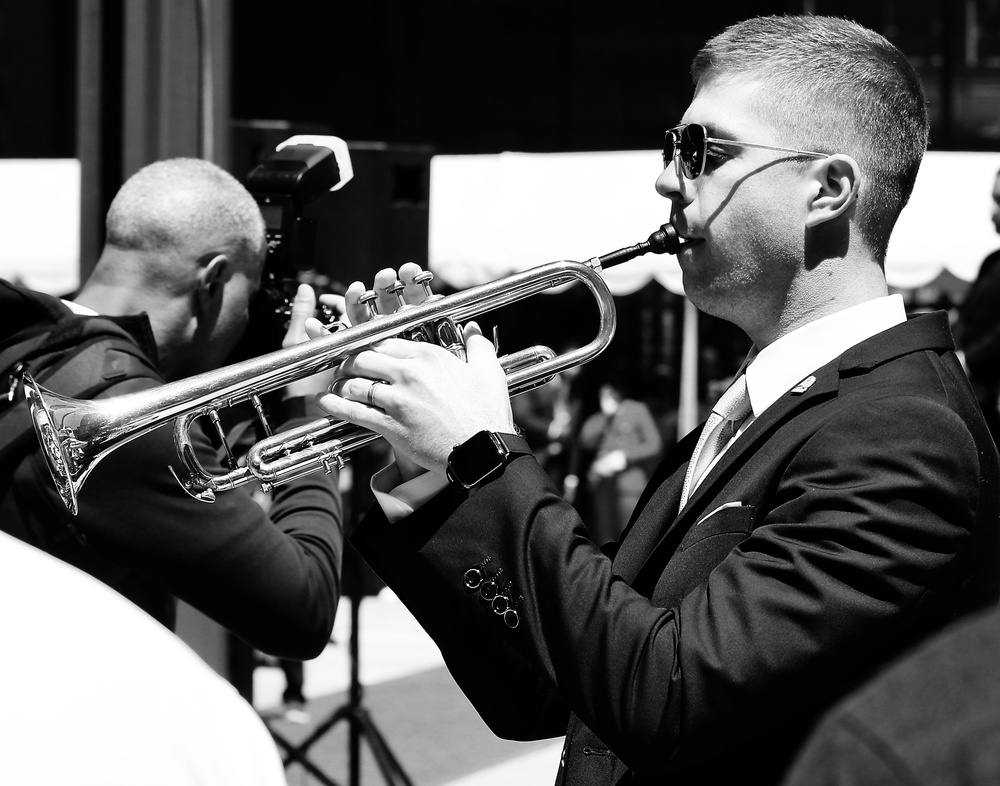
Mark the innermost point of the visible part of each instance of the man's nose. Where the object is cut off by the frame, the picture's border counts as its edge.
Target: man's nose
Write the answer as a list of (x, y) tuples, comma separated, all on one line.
[(671, 183)]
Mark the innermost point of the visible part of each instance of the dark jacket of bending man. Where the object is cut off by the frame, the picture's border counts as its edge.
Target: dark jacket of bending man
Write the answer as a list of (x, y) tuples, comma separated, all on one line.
[(183, 257)]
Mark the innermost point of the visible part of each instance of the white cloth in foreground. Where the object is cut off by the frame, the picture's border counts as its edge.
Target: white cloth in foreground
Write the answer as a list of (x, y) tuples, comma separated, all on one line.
[(97, 692)]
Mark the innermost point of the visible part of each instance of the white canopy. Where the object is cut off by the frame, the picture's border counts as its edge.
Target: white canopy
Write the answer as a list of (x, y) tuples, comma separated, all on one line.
[(493, 215), (40, 217)]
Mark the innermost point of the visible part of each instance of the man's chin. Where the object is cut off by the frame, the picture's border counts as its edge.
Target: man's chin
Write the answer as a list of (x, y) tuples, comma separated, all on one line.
[(712, 300)]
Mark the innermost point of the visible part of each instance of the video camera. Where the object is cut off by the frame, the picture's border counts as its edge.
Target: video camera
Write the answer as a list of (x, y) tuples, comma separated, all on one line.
[(301, 170)]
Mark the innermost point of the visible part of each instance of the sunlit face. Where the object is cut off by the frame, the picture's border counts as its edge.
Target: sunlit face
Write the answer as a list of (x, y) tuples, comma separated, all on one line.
[(742, 220)]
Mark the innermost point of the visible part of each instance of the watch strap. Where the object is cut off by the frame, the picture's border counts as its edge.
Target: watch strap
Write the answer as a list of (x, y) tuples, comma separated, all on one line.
[(483, 457), (516, 444)]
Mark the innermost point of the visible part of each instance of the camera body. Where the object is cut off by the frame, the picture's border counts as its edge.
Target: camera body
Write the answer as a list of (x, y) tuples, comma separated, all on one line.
[(301, 170)]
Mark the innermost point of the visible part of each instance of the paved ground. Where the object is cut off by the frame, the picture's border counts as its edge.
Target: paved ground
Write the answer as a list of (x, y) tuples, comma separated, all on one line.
[(415, 706)]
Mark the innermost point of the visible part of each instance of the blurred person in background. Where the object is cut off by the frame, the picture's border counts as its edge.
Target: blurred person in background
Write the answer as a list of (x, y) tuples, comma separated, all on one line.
[(977, 331), (624, 441)]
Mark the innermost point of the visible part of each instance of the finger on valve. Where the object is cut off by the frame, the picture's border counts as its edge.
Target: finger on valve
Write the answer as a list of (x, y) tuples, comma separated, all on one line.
[(357, 304), (388, 290), (416, 283)]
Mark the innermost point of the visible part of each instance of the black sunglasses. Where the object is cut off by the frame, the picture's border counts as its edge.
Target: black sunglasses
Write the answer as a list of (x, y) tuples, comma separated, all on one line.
[(690, 142)]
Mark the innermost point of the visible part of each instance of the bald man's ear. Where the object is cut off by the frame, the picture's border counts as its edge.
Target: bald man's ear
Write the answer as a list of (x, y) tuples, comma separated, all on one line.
[(835, 189), (212, 278)]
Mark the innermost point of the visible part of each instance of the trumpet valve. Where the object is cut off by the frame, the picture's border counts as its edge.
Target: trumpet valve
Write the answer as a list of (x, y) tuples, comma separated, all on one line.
[(424, 279), (422, 332), (397, 290), (449, 335), (367, 300)]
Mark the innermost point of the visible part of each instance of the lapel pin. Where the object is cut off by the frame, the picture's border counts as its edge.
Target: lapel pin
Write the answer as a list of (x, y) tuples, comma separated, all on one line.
[(803, 386)]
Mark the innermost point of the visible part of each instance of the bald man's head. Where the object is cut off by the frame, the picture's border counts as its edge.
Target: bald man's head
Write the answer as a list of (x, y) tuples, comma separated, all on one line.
[(185, 245), (190, 207)]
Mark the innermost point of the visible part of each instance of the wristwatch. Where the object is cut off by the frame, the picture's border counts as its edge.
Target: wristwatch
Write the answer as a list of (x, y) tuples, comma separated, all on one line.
[(483, 457)]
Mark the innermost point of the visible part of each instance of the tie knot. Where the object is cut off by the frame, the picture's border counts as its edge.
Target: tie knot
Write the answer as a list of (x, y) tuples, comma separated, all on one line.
[(735, 402)]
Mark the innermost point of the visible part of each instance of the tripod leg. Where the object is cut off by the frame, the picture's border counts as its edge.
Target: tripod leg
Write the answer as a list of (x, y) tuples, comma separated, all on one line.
[(344, 713), (387, 762), (297, 754)]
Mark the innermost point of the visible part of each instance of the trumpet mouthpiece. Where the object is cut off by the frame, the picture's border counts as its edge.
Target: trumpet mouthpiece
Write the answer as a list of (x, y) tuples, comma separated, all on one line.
[(664, 240)]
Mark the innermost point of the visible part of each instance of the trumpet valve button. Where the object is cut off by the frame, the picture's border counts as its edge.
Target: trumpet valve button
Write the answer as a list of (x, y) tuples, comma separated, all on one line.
[(424, 279), (397, 290), (367, 300)]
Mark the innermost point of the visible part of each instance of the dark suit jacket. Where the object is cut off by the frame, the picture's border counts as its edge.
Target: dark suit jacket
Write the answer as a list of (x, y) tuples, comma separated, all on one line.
[(854, 517)]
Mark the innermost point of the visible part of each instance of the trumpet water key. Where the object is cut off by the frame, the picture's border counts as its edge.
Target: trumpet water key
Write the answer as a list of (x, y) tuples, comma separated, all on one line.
[(76, 434)]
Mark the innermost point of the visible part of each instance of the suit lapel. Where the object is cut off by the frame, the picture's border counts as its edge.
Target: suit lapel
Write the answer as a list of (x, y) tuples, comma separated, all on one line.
[(782, 410), (657, 526)]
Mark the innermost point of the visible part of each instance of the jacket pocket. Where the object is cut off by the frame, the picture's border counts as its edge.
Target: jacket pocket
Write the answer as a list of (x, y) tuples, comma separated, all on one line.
[(706, 545), (727, 520)]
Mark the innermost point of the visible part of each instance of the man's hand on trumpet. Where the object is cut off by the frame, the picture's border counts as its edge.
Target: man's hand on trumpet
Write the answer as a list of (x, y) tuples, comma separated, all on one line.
[(419, 396)]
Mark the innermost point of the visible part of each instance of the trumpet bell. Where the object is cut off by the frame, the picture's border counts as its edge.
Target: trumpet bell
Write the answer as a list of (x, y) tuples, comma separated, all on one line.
[(62, 455)]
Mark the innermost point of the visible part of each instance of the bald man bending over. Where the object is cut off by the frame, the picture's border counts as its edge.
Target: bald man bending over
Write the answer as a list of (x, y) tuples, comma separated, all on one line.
[(168, 299)]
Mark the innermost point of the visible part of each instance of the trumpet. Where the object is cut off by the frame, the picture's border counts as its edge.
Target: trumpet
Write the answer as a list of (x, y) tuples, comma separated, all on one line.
[(76, 434)]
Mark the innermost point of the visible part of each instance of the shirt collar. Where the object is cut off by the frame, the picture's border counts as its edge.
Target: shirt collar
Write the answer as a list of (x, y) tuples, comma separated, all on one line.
[(790, 359), (136, 325)]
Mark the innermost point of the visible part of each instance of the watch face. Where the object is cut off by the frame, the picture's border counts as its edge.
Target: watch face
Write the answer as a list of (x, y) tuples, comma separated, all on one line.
[(477, 459)]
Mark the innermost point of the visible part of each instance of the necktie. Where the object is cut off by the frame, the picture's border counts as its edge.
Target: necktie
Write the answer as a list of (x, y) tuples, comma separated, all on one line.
[(726, 417)]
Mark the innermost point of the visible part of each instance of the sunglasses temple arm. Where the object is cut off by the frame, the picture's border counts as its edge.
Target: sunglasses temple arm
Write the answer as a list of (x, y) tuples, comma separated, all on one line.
[(767, 147)]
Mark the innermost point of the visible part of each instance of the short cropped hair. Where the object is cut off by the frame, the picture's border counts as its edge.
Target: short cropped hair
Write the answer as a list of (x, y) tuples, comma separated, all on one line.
[(834, 86), (183, 201)]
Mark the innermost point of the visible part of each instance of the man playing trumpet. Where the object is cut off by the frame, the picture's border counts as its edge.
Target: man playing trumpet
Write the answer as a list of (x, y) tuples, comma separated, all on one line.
[(840, 505)]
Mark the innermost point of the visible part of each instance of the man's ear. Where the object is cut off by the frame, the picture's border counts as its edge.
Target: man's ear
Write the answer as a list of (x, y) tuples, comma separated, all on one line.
[(212, 277), (835, 189)]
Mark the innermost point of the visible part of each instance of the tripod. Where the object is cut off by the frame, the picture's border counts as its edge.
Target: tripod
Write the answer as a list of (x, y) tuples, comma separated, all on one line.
[(360, 724), (359, 720)]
